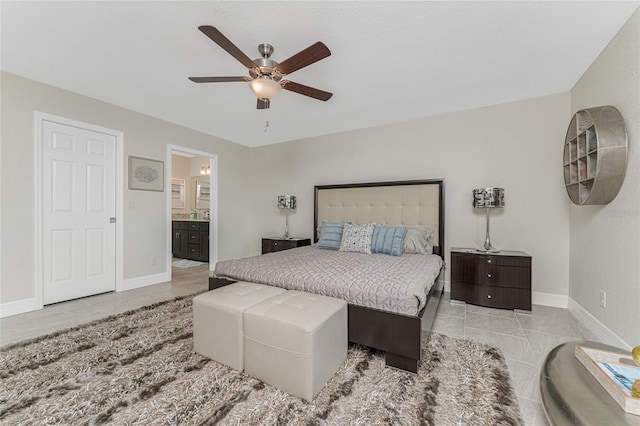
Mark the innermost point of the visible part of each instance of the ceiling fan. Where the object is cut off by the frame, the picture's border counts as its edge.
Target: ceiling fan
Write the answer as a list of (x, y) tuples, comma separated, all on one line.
[(265, 74)]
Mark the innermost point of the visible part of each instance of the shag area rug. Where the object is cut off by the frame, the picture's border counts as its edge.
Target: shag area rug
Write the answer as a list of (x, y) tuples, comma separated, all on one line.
[(139, 368)]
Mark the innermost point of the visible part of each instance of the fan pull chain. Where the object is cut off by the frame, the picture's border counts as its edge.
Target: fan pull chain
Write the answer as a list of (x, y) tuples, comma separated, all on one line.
[(266, 121)]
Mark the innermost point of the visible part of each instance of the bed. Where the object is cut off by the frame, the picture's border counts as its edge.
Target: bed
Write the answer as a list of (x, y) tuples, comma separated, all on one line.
[(392, 320)]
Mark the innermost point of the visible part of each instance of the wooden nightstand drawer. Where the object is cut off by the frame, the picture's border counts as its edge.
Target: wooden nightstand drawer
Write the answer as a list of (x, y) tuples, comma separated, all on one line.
[(493, 297), (283, 245), (270, 245), (494, 275), (481, 258)]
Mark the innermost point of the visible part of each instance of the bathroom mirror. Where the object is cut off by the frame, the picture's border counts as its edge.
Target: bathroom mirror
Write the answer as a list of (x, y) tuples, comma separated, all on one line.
[(201, 191), (177, 194)]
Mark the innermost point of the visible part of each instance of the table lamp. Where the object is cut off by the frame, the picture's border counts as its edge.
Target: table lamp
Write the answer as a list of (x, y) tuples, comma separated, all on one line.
[(286, 202), (488, 198)]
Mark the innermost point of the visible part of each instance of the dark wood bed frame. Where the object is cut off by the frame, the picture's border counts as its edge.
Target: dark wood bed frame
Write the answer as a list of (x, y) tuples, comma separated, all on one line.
[(398, 335)]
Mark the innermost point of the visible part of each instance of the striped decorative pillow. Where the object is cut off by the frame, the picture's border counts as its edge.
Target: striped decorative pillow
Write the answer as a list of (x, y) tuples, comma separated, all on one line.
[(331, 235), (388, 239)]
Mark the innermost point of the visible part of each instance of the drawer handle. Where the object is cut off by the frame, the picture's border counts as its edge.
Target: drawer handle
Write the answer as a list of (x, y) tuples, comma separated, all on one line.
[(488, 260), (488, 296), (275, 244), (488, 275)]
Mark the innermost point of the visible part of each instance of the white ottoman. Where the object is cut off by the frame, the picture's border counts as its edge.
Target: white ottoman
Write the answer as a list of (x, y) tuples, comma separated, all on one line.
[(295, 341), (218, 320)]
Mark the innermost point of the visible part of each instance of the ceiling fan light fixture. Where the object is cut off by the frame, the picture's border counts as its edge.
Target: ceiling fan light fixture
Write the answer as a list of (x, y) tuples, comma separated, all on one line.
[(265, 88), (265, 74)]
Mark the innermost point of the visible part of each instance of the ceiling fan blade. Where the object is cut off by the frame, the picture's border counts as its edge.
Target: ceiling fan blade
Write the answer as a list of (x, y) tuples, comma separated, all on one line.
[(263, 103), (306, 90), (218, 79), (308, 56), (214, 34)]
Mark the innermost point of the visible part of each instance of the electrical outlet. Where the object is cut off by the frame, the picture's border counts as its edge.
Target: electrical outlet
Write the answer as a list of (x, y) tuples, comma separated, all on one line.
[(154, 260), (603, 298)]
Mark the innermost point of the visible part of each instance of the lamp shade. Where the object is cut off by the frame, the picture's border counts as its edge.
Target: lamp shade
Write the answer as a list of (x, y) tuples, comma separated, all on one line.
[(287, 202), (265, 88), (488, 197)]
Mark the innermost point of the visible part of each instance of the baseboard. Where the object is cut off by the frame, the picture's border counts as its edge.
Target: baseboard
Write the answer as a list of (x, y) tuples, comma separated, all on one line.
[(18, 307), (132, 283), (549, 299), (28, 305), (599, 329), (447, 286)]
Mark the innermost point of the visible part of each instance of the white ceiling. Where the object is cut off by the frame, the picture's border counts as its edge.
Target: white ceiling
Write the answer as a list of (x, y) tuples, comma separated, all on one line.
[(391, 61)]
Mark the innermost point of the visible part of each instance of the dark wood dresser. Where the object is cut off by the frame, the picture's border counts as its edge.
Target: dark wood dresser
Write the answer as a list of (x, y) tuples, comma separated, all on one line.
[(272, 244), (495, 280)]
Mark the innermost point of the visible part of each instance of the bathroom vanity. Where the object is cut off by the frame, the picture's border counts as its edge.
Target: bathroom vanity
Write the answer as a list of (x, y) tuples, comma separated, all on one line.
[(190, 239)]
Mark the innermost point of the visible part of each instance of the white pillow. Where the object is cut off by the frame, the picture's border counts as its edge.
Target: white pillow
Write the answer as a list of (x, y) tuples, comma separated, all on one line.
[(357, 238), (418, 241)]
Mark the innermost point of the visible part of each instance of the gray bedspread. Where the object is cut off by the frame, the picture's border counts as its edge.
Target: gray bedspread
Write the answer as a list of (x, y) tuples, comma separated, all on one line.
[(396, 284)]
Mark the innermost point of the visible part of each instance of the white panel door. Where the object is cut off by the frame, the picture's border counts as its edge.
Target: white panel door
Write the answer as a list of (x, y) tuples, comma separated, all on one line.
[(78, 202)]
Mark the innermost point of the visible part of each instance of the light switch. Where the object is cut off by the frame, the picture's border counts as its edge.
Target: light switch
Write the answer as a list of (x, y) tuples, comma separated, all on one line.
[(132, 204)]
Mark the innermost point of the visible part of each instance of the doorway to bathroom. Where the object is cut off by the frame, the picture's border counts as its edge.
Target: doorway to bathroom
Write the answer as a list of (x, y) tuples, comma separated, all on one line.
[(192, 203)]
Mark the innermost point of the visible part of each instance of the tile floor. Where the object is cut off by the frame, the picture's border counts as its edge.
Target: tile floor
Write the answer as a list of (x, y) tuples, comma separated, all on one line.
[(75, 312), (524, 338)]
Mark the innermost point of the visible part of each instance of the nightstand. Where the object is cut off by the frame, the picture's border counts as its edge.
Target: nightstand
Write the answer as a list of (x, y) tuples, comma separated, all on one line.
[(273, 244), (495, 280)]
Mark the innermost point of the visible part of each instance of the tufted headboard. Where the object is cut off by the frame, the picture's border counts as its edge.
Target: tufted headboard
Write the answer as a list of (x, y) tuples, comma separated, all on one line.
[(409, 203)]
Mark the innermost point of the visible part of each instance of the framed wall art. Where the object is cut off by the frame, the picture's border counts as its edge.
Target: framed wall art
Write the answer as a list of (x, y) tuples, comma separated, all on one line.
[(146, 174)]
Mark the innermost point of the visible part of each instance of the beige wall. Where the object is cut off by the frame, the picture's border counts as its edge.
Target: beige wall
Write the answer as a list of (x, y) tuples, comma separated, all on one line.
[(144, 225), (517, 146), (605, 240), (196, 164)]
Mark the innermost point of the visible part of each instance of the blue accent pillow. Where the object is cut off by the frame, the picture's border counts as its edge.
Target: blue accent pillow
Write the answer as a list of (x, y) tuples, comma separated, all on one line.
[(388, 239), (331, 235)]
